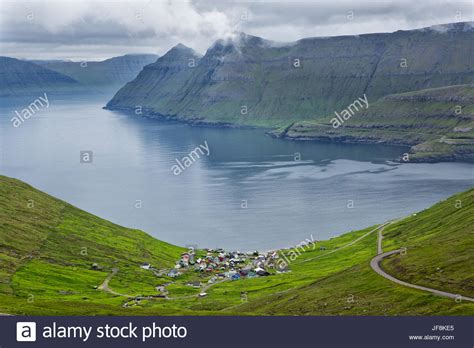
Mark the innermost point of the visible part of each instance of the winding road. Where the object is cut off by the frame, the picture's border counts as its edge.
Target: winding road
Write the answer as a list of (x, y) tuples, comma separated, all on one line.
[(378, 228), (375, 264)]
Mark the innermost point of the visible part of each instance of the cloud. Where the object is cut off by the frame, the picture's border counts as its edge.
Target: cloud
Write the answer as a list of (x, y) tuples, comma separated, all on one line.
[(98, 29), (293, 20), (150, 25)]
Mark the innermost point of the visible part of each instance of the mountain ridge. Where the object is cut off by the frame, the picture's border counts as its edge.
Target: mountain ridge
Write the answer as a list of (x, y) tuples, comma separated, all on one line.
[(305, 80), (107, 74), (32, 77), (18, 77), (250, 81)]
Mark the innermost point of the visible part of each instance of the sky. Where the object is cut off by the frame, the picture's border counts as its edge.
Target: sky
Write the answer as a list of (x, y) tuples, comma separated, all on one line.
[(95, 30)]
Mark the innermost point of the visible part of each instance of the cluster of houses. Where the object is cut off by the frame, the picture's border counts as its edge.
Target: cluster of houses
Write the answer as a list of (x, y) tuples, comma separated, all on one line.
[(219, 265), (227, 265)]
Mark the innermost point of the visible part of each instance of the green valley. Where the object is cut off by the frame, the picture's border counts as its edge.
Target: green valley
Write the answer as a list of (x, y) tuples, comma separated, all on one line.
[(56, 259)]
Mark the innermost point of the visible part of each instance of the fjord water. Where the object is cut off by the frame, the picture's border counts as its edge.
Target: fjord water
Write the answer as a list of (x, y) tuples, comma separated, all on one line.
[(249, 193)]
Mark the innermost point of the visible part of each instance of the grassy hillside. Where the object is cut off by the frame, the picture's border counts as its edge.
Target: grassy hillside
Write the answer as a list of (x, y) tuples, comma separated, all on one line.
[(162, 80), (47, 249), (251, 81), (439, 246), (438, 123)]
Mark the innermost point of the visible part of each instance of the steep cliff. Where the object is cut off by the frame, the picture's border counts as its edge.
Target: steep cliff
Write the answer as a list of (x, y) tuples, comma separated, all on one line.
[(247, 80)]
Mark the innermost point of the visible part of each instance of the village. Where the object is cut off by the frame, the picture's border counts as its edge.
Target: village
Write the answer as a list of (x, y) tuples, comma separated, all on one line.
[(197, 270), (206, 267)]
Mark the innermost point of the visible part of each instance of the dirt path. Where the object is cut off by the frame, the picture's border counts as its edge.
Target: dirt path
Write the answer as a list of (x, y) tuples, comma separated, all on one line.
[(105, 285), (201, 290), (379, 242), (380, 228), (375, 264)]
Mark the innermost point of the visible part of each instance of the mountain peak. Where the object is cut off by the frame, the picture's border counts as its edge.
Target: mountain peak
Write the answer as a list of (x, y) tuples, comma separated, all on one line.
[(180, 46), (176, 56), (240, 39), (180, 51), (236, 42), (183, 49)]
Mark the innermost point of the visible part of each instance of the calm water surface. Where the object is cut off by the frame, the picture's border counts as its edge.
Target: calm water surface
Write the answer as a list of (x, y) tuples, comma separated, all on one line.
[(287, 201)]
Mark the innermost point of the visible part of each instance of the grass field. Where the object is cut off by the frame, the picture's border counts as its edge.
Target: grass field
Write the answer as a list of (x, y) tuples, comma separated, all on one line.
[(437, 123), (54, 257)]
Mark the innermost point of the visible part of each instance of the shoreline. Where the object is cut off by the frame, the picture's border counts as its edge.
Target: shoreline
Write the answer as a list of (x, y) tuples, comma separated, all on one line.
[(196, 121), (274, 133)]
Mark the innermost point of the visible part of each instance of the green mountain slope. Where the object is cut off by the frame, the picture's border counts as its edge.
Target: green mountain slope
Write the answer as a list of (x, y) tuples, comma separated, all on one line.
[(19, 78), (251, 81), (48, 247), (48, 250), (439, 245), (438, 123), (159, 83), (111, 73)]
